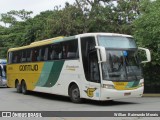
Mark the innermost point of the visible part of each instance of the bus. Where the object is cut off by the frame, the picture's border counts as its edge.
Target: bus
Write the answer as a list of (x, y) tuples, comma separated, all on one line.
[(96, 66), (3, 81)]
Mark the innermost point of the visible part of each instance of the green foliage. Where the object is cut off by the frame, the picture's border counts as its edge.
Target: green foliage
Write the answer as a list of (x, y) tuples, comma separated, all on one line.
[(147, 33), (22, 14), (106, 16), (7, 19), (13, 34), (147, 28), (83, 16)]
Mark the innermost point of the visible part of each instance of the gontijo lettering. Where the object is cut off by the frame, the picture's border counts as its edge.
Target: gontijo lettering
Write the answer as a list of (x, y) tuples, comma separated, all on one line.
[(28, 67)]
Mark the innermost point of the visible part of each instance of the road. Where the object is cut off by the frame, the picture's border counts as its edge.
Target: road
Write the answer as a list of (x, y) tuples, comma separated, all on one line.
[(10, 100)]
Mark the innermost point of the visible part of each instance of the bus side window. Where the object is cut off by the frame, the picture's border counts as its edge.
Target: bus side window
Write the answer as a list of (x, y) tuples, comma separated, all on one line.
[(70, 49), (19, 56), (29, 55), (15, 57), (71, 55), (46, 54), (58, 51), (10, 55), (34, 54), (42, 53), (23, 58), (53, 53), (39, 57)]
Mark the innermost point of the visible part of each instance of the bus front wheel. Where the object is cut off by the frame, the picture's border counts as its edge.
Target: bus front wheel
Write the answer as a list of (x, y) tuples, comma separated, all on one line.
[(24, 87), (74, 94)]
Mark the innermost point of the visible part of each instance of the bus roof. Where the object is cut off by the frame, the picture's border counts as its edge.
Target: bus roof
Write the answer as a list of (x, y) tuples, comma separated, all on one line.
[(107, 34), (37, 43), (62, 38)]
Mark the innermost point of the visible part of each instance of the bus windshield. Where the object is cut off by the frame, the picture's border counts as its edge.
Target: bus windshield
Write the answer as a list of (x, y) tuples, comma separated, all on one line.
[(116, 42), (122, 60), (121, 65)]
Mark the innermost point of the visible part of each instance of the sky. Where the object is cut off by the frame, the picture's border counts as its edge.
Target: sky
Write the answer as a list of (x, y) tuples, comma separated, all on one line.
[(36, 6)]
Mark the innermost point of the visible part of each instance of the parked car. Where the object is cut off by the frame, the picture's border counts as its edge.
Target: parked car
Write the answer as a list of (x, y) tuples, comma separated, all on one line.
[(3, 80)]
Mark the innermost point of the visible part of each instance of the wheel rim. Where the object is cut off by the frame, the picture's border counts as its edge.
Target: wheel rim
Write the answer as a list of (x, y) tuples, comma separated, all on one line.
[(23, 88), (75, 94), (17, 86)]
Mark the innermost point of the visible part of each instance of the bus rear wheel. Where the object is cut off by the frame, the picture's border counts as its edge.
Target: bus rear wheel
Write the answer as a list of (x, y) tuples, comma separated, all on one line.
[(24, 87), (74, 94), (18, 87)]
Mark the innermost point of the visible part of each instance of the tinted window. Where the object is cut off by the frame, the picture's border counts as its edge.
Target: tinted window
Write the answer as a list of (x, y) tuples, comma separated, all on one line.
[(90, 59), (70, 49), (57, 51)]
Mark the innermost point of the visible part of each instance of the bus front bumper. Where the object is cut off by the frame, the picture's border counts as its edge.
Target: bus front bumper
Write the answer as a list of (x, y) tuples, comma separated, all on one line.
[(112, 94)]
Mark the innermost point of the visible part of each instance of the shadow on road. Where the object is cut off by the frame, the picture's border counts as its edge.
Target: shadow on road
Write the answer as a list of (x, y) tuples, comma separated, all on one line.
[(46, 96), (85, 101), (108, 103), (3, 87)]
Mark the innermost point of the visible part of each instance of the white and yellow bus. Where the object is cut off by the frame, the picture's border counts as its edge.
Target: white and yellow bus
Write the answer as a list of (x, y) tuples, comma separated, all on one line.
[(97, 66)]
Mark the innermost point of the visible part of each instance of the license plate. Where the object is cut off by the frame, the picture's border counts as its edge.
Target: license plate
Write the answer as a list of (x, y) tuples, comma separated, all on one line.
[(126, 94)]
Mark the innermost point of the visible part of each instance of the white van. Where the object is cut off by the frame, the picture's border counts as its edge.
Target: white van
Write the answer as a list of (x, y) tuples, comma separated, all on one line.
[(3, 80)]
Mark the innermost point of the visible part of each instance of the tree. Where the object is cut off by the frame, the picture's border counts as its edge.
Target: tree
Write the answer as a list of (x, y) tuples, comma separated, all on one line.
[(22, 14), (147, 28), (12, 35), (7, 19), (146, 31), (83, 16), (109, 16)]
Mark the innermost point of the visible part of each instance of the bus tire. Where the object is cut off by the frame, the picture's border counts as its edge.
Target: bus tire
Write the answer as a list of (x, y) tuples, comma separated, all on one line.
[(74, 94), (24, 88), (18, 87)]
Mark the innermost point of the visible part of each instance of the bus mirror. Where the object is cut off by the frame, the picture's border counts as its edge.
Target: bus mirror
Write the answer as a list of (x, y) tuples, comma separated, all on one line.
[(148, 54), (102, 53)]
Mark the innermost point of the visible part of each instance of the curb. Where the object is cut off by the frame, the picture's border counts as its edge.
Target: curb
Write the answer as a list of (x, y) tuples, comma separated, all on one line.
[(151, 95)]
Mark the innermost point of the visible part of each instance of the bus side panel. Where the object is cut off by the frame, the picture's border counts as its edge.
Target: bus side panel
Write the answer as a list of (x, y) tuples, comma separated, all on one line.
[(49, 76), (28, 72), (61, 75), (72, 72)]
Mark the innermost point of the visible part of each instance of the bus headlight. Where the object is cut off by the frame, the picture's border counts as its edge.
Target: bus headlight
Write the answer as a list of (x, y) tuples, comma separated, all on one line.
[(108, 86), (141, 84)]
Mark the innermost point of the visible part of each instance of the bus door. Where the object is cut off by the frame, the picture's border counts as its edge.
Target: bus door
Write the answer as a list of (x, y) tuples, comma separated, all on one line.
[(91, 68), (94, 75)]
